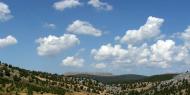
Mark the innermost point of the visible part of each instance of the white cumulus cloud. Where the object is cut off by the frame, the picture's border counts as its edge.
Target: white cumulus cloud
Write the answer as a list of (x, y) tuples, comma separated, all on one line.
[(63, 4), (186, 36), (73, 61), (108, 51), (162, 54), (9, 40), (149, 30), (5, 12), (100, 65), (49, 26), (52, 45), (83, 27), (100, 5)]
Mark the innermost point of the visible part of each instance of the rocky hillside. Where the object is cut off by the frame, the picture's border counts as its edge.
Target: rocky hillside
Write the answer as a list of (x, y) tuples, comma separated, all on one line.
[(17, 81)]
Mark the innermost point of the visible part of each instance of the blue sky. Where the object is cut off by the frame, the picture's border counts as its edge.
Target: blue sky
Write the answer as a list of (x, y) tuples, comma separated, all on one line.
[(91, 45)]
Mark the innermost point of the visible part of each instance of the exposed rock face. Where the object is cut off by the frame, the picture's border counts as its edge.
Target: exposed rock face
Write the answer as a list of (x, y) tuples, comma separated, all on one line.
[(182, 76), (179, 77), (178, 80)]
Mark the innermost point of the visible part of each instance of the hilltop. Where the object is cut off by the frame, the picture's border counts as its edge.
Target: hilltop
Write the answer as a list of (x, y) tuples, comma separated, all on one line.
[(15, 81)]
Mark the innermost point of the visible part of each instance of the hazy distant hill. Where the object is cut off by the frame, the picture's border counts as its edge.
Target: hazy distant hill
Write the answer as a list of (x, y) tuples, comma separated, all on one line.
[(88, 73)]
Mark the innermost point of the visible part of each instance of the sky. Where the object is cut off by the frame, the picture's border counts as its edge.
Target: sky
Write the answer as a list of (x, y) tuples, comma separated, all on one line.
[(118, 36)]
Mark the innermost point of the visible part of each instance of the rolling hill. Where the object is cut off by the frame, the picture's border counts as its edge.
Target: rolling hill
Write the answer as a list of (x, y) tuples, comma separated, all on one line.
[(112, 79), (17, 81)]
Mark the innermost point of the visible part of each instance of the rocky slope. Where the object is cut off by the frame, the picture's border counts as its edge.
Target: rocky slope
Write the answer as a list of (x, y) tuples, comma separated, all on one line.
[(17, 81)]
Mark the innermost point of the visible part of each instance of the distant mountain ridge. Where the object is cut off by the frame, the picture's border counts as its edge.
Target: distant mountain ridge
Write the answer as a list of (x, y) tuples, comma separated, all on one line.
[(88, 73)]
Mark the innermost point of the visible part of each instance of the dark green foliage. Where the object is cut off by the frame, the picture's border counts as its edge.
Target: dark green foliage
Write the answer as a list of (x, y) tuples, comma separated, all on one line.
[(4, 81), (133, 92), (16, 78), (25, 79)]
